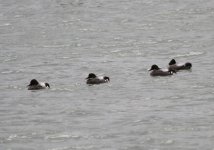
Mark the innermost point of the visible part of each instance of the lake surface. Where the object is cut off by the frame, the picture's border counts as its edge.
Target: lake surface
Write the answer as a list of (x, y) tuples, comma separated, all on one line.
[(61, 41)]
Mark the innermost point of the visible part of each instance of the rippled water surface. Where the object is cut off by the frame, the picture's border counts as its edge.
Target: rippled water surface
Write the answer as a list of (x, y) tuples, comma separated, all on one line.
[(61, 41)]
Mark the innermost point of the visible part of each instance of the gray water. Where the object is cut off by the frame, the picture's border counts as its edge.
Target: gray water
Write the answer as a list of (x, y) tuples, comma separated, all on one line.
[(61, 41)]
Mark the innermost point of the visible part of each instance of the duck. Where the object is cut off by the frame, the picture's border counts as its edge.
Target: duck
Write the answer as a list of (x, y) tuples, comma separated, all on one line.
[(35, 85), (174, 66), (156, 71), (93, 79)]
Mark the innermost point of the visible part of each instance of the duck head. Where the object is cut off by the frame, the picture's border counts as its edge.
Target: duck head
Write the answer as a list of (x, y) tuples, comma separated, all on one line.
[(154, 67), (91, 76), (172, 62), (33, 82), (106, 78), (188, 65), (47, 85)]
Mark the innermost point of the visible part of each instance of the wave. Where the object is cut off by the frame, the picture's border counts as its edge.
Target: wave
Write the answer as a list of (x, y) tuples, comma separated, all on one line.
[(189, 54)]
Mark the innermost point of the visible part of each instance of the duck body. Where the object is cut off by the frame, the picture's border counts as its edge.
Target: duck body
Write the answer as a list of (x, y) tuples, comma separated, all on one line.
[(174, 66), (156, 71), (93, 79), (160, 73), (35, 85)]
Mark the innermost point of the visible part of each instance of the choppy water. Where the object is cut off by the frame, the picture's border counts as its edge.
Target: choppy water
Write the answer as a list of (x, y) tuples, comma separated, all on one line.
[(61, 41)]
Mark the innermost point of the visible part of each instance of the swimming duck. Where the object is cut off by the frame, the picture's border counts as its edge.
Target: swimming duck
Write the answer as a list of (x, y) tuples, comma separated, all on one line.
[(156, 71), (174, 66), (35, 85), (93, 79)]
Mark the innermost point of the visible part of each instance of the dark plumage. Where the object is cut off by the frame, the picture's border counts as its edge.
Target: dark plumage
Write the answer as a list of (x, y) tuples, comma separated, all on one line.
[(156, 71), (174, 66), (35, 85), (93, 79)]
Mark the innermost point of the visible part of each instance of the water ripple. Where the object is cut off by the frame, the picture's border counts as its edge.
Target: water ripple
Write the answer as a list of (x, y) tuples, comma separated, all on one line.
[(190, 54)]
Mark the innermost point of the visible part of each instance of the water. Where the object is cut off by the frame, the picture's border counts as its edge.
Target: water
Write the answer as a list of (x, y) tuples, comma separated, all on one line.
[(61, 41)]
